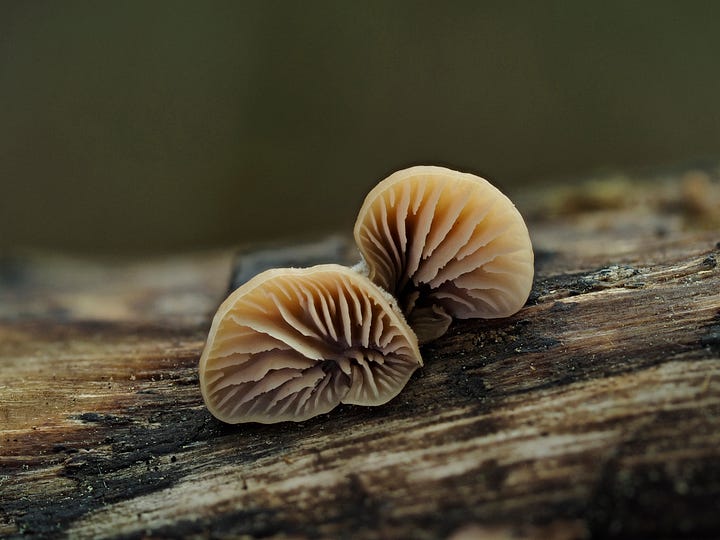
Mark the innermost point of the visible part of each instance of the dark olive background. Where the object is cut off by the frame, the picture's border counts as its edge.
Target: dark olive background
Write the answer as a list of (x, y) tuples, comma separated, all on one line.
[(142, 126)]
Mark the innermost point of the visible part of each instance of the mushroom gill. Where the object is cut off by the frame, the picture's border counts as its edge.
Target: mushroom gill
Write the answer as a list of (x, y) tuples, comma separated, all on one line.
[(446, 244), (293, 343)]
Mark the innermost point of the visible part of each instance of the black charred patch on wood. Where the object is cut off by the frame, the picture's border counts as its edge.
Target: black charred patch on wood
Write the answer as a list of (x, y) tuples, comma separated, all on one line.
[(575, 284), (710, 261), (109, 420), (140, 458)]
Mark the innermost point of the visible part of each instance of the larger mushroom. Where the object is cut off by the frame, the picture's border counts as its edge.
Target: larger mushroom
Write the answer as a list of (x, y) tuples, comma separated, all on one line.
[(293, 343), (446, 244)]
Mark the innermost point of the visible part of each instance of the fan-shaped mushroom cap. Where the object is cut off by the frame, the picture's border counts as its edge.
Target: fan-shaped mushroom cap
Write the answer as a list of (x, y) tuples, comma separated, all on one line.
[(447, 244), (294, 343)]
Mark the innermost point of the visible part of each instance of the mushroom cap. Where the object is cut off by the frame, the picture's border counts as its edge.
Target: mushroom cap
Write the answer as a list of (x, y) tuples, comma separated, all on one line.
[(447, 244), (293, 343)]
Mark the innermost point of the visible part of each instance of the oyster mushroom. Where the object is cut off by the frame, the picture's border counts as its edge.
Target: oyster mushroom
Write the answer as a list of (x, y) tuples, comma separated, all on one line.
[(446, 244), (293, 343)]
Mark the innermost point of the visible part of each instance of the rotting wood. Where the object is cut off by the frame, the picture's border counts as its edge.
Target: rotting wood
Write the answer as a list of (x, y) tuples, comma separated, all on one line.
[(594, 412)]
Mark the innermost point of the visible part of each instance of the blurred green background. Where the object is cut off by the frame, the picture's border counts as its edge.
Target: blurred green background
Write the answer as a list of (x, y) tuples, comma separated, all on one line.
[(144, 126)]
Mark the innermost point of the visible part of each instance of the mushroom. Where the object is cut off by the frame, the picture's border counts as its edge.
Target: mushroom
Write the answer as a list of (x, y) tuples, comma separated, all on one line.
[(293, 343), (446, 244)]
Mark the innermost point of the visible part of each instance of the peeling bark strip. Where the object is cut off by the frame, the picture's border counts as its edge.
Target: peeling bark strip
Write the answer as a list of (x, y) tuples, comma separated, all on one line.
[(594, 412)]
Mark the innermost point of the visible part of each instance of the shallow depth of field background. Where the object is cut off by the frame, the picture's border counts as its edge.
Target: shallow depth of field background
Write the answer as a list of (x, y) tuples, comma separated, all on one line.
[(137, 127)]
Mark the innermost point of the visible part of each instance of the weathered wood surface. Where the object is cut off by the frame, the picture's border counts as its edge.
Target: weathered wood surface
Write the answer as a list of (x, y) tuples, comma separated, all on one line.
[(594, 412)]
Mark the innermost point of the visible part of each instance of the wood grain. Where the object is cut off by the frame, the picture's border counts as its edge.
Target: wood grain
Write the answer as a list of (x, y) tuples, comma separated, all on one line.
[(592, 413)]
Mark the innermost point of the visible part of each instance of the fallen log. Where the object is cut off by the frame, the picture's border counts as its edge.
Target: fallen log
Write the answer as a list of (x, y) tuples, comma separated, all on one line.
[(593, 412)]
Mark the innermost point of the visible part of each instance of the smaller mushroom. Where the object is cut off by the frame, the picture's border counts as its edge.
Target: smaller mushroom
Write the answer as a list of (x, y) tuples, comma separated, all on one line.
[(294, 343), (446, 244)]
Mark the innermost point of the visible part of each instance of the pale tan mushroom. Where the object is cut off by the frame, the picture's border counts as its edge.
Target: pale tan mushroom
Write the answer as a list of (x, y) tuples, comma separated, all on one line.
[(446, 244), (293, 343)]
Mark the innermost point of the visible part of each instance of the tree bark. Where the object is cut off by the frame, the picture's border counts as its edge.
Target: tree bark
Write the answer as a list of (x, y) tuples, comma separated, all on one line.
[(593, 412)]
